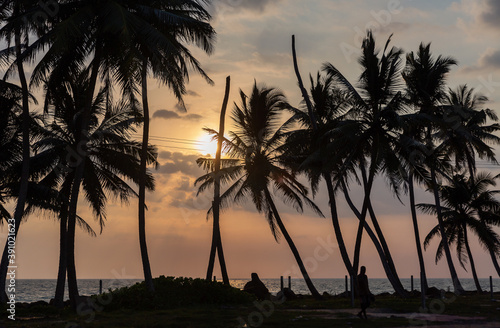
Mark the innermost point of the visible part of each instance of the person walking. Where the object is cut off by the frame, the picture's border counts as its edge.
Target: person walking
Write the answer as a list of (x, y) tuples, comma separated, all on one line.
[(364, 292)]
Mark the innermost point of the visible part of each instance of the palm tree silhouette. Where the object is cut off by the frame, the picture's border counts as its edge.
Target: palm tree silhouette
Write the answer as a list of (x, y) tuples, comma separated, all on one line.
[(10, 143), (112, 159), (306, 149), (470, 133), (159, 45), (425, 79), (255, 165), (466, 205), (15, 30), (125, 40), (369, 138), (216, 247)]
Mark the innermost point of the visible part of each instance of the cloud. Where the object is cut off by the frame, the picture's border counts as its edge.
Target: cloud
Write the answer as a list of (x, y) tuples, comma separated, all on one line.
[(193, 117), (166, 114), (169, 114), (258, 6), (193, 93), (491, 13), (488, 61), (491, 58), (175, 162), (485, 14), (180, 108)]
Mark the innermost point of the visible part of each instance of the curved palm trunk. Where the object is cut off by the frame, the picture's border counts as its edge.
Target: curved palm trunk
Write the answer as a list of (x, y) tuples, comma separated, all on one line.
[(458, 289), (423, 275), (23, 188), (303, 90), (291, 244), (362, 218), (397, 287), (471, 259), (336, 225), (384, 245), (326, 176), (216, 236), (380, 234), (148, 278), (495, 261)]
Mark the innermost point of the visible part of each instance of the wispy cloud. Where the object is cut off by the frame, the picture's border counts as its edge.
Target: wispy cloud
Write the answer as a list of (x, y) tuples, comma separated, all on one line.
[(257, 6), (193, 93), (489, 61), (172, 115)]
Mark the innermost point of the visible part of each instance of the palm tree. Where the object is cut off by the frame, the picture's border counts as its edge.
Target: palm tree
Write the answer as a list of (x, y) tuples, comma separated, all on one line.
[(305, 150), (18, 33), (125, 40), (254, 166), (112, 159), (425, 79), (370, 135), (470, 133), (165, 54), (10, 143), (466, 201), (216, 235)]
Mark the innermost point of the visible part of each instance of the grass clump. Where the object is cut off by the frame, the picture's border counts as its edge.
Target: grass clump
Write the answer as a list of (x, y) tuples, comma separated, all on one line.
[(171, 293)]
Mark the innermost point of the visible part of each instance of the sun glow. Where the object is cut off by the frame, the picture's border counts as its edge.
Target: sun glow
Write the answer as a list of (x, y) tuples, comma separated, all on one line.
[(206, 145)]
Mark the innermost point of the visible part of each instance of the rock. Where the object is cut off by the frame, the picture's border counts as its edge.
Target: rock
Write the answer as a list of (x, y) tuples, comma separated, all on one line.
[(287, 293)]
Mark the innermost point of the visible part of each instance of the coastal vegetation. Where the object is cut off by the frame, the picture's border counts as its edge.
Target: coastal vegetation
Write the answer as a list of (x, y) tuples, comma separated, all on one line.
[(399, 121)]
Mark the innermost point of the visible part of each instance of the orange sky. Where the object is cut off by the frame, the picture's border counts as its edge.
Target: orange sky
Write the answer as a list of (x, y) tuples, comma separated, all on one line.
[(254, 42)]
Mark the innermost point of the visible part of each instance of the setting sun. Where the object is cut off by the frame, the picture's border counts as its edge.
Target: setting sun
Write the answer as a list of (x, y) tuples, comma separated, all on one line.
[(206, 145)]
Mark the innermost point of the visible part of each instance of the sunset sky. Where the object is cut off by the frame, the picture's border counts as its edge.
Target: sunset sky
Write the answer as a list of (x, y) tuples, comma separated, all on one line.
[(254, 42)]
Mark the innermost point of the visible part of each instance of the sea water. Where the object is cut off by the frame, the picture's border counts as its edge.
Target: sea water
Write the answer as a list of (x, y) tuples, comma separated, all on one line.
[(32, 290)]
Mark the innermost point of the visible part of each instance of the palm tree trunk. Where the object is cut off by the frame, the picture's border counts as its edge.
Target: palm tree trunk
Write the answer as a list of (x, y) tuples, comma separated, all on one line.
[(70, 257), (213, 251), (381, 236), (362, 219), (303, 90), (397, 287), (383, 243), (61, 273), (23, 188), (471, 259), (291, 244), (421, 262), (148, 277), (336, 225), (216, 238), (495, 261), (458, 289), (218, 155)]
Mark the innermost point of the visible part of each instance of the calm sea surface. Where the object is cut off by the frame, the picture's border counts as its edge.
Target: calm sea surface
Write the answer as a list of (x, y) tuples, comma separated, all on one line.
[(28, 290)]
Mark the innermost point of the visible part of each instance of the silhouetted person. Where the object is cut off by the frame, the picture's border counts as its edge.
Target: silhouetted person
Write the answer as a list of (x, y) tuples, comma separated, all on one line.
[(363, 292), (257, 287)]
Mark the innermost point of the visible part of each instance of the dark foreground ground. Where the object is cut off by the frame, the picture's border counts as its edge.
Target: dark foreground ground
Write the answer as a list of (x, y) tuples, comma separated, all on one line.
[(469, 310)]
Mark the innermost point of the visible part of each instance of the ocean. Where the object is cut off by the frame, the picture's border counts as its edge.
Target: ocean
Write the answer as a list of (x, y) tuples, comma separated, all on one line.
[(31, 290)]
